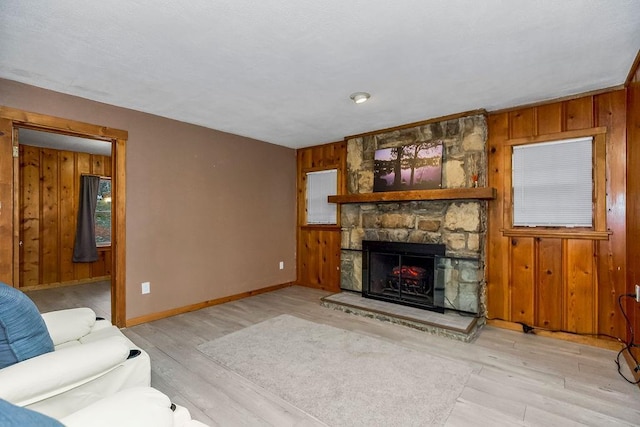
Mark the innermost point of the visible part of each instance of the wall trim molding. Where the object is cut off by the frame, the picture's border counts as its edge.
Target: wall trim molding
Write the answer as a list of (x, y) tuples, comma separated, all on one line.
[(75, 282), (591, 340), (200, 305), (631, 362)]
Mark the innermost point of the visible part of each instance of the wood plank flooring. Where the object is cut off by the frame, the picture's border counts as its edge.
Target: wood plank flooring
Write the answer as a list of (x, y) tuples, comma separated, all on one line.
[(517, 379), (96, 295)]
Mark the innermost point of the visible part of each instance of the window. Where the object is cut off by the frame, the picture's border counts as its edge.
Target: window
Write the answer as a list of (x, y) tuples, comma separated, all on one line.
[(556, 185), (103, 213), (320, 185), (553, 183)]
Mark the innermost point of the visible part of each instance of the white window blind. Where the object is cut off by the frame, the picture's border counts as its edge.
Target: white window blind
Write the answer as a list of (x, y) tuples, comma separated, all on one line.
[(553, 183), (320, 185)]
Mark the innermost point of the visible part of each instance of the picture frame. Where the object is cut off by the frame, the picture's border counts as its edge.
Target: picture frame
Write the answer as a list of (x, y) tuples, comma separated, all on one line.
[(408, 167)]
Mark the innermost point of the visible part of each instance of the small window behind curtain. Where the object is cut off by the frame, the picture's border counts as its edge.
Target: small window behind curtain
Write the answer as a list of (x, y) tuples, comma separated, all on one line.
[(553, 183), (103, 213), (320, 185)]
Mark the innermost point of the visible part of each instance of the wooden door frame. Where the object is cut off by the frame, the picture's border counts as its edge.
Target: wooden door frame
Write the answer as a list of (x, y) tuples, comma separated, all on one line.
[(11, 118)]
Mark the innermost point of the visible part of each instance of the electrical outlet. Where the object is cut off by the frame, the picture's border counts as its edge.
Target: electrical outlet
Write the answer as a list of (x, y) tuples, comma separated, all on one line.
[(146, 287), (281, 265), (637, 293)]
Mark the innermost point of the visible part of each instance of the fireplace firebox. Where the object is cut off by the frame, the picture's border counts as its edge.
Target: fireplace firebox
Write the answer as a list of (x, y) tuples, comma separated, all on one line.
[(403, 273)]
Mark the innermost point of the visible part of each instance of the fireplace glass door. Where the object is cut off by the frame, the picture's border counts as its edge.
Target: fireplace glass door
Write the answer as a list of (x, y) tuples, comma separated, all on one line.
[(403, 273), (404, 278), (416, 274)]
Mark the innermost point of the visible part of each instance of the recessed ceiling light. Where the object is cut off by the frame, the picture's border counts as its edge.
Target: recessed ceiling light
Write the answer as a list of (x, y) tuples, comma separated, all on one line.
[(360, 97)]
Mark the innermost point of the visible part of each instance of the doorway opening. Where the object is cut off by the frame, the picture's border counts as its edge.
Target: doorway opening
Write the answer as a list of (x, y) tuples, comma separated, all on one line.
[(52, 167), (13, 125)]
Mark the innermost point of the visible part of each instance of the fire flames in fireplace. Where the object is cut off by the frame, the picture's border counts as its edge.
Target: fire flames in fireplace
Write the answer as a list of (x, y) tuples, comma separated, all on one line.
[(409, 279)]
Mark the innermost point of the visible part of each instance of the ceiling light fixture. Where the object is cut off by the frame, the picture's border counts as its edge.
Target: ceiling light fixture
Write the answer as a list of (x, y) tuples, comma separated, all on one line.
[(360, 97)]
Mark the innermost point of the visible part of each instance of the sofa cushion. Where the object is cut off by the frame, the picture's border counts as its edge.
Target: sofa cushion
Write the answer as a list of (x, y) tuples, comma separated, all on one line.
[(23, 333), (15, 416)]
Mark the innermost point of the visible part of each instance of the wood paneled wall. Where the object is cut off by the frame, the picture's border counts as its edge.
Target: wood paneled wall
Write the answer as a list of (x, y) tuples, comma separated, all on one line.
[(318, 246), (633, 203), (560, 283), (48, 202), (6, 201)]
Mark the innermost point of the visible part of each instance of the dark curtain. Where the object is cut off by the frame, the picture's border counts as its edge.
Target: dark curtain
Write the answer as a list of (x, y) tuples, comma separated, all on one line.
[(84, 249)]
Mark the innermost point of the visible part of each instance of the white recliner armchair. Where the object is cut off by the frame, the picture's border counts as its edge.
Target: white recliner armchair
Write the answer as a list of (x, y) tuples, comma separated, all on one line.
[(90, 359)]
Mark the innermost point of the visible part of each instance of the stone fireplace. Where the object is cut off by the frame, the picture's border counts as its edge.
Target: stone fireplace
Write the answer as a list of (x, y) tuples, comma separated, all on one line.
[(459, 225)]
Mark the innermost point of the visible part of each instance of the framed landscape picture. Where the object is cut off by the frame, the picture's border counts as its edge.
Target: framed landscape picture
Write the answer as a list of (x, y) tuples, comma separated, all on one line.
[(410, 167)]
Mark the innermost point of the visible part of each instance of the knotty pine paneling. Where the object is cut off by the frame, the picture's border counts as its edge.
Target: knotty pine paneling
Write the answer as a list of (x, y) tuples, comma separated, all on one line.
[(549, 289), (320, 258), (29, 216), (318, 254), (49, 230), (567, 284), (49, 185), (549, 118), (633, 203), (610, 112), (521, 123), (578, 114), (67, 206), (498, 295), (6, 201), (580, 296), (522, 275)]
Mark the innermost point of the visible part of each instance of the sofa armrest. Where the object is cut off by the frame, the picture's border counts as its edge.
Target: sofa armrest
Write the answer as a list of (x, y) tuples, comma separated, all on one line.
[(53, 373), (133, 407), (69, 325), (182, 418)]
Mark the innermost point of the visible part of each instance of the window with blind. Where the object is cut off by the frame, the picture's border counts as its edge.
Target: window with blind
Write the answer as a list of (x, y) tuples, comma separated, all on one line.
[(320, 185), (553, 183)]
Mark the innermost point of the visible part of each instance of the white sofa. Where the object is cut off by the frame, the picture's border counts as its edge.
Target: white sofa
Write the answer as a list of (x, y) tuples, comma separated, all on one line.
[(133, 407), (91, 361)]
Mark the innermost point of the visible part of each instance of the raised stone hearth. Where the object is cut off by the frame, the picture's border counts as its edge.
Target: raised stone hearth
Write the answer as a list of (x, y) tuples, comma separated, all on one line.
[(460, 225), (450, 324)]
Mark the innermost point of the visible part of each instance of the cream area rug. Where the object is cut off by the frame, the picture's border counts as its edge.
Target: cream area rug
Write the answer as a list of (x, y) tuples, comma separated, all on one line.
[(342, 378)]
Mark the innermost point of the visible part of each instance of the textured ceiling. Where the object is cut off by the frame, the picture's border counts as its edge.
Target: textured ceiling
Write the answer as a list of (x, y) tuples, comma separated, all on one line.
[(60, 141), (282, 71)]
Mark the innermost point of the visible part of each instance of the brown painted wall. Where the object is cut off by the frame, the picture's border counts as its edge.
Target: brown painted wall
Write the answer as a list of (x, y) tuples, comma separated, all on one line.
[(209, 214), (49, 197)]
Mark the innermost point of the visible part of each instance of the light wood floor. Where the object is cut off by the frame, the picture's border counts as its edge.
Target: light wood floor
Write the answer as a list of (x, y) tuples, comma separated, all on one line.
[(518, 379), (94, 295)]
